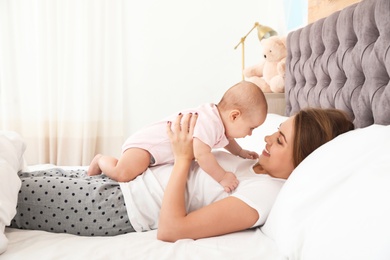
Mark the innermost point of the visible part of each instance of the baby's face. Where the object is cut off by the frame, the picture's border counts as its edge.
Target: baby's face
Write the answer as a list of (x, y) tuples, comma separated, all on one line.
[(244, 126)]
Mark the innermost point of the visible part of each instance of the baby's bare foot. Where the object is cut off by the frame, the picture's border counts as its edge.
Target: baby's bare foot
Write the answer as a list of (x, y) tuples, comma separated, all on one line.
[(94, 166)]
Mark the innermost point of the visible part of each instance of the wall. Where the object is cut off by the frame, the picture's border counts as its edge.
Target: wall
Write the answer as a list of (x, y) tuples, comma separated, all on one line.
[(182, 52), (322, 8), (178, 54)]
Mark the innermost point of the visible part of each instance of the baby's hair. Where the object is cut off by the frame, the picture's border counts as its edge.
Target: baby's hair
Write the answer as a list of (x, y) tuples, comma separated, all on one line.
[(244, 96)]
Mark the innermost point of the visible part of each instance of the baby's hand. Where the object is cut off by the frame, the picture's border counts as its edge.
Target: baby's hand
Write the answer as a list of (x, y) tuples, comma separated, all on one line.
[(248, 154), (229, 182)]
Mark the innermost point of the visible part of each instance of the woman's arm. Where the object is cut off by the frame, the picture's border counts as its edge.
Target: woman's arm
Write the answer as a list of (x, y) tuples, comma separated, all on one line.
[(222, 217)]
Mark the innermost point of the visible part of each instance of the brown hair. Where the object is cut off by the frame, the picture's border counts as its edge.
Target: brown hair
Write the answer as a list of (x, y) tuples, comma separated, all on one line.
[(313, 127), (245, 96)]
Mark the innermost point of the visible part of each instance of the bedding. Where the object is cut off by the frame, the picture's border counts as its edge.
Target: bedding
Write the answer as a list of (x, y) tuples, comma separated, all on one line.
[(144, 245), (334, 205), (11, 161)]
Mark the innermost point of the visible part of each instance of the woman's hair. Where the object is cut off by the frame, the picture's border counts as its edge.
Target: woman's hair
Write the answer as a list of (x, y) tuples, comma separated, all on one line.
[(313, 127)]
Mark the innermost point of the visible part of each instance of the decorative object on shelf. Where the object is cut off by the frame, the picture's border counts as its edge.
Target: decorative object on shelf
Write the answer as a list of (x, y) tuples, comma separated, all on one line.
[(263, 32), (269, 74)]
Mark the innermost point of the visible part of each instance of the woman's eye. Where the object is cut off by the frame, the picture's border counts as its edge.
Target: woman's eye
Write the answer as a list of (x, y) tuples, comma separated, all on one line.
[(278, 140)]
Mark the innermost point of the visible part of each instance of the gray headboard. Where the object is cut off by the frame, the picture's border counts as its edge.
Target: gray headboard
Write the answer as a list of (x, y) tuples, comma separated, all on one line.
[(343, 61)]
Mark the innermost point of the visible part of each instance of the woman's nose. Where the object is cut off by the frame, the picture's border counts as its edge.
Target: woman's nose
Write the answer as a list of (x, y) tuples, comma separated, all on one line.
[(268, 138)]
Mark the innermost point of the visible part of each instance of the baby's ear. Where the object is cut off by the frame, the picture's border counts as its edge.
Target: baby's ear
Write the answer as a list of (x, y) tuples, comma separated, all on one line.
[(234, 114)]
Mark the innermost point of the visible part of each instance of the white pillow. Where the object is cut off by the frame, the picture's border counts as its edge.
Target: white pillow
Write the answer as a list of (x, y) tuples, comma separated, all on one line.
[(12, 148), (336, 204), (256, 142)]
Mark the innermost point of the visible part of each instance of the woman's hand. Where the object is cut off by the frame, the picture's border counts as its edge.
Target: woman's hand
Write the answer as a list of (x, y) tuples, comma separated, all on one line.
[(182, 136), (173, 206)]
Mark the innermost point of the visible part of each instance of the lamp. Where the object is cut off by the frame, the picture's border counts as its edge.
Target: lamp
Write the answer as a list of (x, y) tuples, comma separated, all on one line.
[(263, 32)]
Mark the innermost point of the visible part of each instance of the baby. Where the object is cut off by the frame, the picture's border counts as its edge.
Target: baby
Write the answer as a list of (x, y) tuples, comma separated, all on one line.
[(242, 109)]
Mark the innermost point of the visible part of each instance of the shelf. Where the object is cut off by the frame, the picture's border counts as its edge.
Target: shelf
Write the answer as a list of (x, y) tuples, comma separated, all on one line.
[(276, 103)]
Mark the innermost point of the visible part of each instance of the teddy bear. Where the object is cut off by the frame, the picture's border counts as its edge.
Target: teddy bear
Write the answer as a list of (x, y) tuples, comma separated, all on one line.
[(269, 74)]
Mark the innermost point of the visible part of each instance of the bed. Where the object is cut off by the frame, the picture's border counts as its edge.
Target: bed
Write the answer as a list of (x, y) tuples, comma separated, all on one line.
[(335, 205)]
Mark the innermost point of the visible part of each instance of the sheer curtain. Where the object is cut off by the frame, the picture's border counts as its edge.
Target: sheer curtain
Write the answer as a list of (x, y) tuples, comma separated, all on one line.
[(62, 77)]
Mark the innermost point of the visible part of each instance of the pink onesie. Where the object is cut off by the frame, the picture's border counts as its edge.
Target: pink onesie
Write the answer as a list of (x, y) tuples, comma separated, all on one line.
[(153, 138)]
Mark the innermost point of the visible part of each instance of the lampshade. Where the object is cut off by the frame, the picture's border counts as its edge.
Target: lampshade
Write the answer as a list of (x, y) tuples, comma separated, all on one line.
[(263, 32)]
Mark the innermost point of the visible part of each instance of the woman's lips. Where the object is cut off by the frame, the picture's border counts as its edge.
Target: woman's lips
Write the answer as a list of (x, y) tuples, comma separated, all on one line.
[(265, 152)]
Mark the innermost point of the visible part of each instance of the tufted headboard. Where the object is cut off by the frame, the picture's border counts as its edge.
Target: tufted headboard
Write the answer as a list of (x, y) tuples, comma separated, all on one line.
[(343, 61)]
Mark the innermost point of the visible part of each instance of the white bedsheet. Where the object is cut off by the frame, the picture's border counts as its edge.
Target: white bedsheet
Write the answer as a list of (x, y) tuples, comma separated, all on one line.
[(249, 244)]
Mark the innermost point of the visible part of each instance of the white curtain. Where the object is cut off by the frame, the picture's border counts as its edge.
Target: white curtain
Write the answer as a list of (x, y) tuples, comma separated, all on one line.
[(62, 77)]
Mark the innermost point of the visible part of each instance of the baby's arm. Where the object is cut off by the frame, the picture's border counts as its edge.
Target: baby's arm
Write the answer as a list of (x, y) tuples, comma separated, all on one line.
[(209, 164), (234, 148)]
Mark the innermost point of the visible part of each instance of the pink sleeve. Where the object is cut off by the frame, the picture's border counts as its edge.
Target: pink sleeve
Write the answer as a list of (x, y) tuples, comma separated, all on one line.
[(210, 132)]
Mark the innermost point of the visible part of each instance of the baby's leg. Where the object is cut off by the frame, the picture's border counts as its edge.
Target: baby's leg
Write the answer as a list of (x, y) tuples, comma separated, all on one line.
[(133, 162), (94, 168)]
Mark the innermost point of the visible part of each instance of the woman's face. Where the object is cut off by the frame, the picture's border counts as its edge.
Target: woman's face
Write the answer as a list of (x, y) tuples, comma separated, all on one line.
[(277, 156)]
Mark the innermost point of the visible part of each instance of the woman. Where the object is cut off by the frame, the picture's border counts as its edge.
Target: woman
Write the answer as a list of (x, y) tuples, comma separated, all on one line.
[(296, 139), (181, 200)]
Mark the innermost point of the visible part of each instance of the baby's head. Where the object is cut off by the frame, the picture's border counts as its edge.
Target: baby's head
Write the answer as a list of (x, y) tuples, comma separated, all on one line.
[(243, 108)]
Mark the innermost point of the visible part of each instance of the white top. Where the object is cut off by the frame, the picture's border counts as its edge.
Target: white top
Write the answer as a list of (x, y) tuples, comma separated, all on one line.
[(143, 196), (153, 138)]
